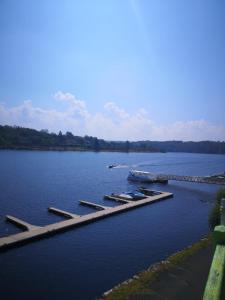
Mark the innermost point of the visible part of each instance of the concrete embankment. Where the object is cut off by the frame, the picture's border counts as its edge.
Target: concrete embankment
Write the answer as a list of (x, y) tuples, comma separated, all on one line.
[(181, 276)]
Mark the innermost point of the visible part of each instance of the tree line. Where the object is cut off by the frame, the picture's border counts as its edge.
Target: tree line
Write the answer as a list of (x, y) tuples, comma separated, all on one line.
[(14, 137)]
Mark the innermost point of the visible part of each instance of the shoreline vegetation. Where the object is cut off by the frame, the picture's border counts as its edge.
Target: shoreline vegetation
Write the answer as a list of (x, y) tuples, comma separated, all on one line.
[(214, 215), (141, 285), (19, 138)]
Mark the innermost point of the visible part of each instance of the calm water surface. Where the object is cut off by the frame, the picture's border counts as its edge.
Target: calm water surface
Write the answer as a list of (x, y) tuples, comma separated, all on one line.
[(84, 262)]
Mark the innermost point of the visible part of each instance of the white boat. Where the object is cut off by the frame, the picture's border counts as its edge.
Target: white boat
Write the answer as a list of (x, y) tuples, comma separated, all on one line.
[(142, 176), (136, 195)]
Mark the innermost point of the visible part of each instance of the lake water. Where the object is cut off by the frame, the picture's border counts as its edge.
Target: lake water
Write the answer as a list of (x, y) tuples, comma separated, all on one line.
[(84, 262)]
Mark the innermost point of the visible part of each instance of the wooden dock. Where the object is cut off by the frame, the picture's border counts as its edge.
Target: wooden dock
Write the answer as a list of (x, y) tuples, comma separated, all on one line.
[(117, 199), (94, 205), (62, 213), (36, 232)]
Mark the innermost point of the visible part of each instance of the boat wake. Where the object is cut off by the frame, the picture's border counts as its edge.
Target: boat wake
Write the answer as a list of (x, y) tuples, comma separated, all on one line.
[(118, 166), (150, 164)]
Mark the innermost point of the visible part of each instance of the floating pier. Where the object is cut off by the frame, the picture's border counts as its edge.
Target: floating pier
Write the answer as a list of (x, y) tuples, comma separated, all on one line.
[(36, 232), (117, 199), (94, 205), (20, 223), (62, 213)]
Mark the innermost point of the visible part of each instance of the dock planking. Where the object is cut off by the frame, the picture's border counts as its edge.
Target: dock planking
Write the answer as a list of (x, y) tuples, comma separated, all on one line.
[(20, 223), (93, 205), (37, 232), (117, 199), (62, 213)]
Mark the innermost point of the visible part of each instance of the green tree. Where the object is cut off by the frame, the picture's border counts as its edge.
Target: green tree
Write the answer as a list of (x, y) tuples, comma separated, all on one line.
[(69, 134), (127, 146), (96, 144)]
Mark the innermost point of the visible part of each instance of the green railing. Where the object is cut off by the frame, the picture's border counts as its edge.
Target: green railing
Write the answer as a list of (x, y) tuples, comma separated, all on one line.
[(215, 286)]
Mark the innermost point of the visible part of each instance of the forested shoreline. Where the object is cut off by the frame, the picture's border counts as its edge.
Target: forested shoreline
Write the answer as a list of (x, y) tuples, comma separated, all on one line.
[(14, 137)]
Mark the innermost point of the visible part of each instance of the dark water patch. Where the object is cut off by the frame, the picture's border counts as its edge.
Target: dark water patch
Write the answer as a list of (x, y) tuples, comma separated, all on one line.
[(84, 262)]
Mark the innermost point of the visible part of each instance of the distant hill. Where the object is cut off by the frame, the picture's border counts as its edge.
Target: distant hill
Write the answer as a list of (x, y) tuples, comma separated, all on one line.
[(190, 147), (14, 137)]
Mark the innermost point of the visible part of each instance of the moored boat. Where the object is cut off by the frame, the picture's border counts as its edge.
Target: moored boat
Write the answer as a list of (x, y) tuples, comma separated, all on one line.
[(142, 176), (148, 192), (130, 196)]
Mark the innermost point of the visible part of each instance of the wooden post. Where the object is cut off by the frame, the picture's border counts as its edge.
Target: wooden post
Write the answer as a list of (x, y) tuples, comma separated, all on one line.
[(222, 211), (215, 287), (215, 282)]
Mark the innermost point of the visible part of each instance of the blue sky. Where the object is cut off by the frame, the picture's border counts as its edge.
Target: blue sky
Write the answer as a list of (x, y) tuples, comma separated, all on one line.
[(117, 69)]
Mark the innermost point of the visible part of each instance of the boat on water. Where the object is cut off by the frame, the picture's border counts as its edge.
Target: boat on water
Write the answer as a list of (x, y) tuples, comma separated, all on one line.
[(111, 166), (142, 176), (148, 192), (139, 194), (131, 196)]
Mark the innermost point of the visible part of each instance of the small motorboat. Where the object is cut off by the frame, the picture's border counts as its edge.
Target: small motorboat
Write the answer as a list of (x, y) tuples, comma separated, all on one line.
[(111, 166), (130, 195), (148, 192)]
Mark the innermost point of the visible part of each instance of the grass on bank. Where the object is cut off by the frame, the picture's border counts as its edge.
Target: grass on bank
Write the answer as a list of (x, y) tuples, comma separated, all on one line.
[(139, 286), (214, 216)]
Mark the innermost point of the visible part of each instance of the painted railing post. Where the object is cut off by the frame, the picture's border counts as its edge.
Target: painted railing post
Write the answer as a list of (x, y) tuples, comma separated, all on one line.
[(215, 287), (222, 211)]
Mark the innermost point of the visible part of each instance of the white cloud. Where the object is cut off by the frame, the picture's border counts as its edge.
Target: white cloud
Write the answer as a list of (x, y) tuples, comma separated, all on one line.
[(112, 123), (75, 106), (116, 110)]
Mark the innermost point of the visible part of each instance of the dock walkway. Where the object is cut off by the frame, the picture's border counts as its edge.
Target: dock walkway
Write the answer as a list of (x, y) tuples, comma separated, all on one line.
[(34, 232)]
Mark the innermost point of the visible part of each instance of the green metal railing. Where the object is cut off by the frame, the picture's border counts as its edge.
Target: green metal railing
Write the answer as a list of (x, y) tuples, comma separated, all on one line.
[(215, 286)]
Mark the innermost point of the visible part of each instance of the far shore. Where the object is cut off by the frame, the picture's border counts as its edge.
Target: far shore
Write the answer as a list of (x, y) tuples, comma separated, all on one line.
[(75, 149)]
